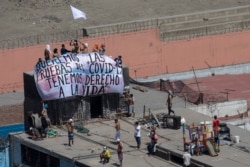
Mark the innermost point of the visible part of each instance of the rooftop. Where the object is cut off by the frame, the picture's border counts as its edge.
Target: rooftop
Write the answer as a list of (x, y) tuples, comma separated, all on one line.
[(87, 147)]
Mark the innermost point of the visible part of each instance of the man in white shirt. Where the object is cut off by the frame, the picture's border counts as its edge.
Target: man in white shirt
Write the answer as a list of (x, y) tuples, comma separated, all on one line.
[(138, 134), (186, 159)]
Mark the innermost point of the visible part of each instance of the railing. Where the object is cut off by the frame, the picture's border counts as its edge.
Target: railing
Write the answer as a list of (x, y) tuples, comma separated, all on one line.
[(205, 30), (80, 33)]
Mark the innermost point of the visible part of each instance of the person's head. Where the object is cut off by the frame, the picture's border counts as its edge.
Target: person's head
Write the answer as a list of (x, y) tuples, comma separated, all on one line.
[(47, 47), (169, 92), (136, 123), (102, 45), (44, 112), (104, 148), (86, 45), (119, 56), (63, 46), (215, 117), (70, 121), (116, 120), (31, 128), (55, 50), (131, 95), (40, 59)]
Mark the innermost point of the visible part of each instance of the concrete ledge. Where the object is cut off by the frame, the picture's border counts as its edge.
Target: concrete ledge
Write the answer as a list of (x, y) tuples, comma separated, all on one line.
[(177, 157)]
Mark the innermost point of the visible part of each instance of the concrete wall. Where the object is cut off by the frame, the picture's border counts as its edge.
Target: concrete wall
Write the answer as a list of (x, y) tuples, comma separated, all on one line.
[(15, 152), (231, 69), (229, 108), (143, 53), (11, 114)]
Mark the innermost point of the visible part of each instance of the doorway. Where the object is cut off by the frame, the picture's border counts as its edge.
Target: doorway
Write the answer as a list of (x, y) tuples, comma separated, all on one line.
[(96, 107)]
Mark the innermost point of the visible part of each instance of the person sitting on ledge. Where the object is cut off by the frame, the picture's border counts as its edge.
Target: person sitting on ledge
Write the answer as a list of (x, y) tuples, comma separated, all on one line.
[(35, 133)]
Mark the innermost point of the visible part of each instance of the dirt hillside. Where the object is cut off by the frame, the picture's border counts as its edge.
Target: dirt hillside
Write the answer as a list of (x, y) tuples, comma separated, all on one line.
[(21, 18)]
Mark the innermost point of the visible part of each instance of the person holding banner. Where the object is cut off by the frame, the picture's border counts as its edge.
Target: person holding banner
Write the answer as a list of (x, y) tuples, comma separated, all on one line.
[(102, 49), (64, 50), (118, 61), (84, 48), (47, 52), (55, 53), (96, 48), (76, 46)]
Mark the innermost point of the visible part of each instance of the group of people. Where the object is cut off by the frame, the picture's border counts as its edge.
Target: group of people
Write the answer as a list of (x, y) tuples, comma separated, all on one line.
[(105, 154), (216, 135), (118, 140), (78, 47), (153, 140), (137, 135)]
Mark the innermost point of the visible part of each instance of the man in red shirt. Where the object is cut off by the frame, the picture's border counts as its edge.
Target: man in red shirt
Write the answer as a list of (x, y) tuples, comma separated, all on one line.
[(216, 128)]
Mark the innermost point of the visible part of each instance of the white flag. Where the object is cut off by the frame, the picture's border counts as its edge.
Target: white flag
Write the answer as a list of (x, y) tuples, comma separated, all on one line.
[(77, 13)]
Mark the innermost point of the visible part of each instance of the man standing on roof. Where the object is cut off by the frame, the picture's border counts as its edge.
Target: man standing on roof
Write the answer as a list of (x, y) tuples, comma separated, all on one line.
[(169, 102), (117, 129), (131, 102), (70, 126), (186, 159), (119, 151), (138, 134), (216, 128)]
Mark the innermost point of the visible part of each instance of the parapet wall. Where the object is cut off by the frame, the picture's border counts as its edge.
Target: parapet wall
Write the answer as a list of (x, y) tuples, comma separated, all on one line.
[(223, 109)]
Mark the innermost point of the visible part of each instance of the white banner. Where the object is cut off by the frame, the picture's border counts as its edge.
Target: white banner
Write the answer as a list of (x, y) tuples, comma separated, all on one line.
[(78, 75)]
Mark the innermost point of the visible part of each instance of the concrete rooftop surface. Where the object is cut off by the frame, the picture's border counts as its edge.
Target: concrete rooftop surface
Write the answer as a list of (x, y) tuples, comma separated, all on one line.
[(86, 148)]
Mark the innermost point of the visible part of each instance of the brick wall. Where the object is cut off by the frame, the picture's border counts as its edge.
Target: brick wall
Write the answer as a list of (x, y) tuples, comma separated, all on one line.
[(11, 114)]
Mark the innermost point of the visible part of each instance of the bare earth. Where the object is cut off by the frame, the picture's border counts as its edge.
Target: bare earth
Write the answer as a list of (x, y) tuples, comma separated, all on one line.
[(21, 18)]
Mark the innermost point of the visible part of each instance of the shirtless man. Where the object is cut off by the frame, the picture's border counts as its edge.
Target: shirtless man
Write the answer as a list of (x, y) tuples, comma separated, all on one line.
[(118, 129), (119, 151), (70, 126)]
